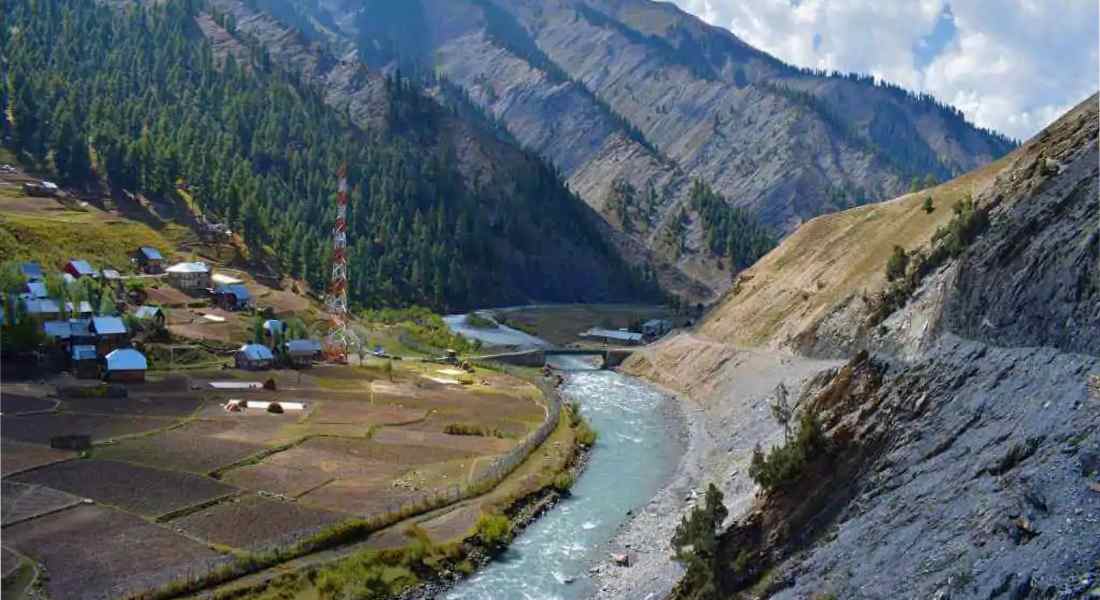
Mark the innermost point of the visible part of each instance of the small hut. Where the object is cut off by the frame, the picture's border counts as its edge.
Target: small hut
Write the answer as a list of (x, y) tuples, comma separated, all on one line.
[(84, 362), (232, 297), (31, 271), (111, 333), (126, 364), (189, 276), (149, 260), (302, 353), (254, 357), (151, 314), (78, 268)]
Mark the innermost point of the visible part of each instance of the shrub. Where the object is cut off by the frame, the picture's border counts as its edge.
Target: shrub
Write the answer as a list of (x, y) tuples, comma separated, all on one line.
[(948, 242), (929, 206), (574, 413), (586, 436), (473, 430), (493, 530), (783, 465), (696, 544), (563, 482), (895, 267)]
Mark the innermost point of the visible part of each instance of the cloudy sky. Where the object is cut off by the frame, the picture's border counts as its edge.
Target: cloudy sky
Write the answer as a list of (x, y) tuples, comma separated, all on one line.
[(1011, 65)]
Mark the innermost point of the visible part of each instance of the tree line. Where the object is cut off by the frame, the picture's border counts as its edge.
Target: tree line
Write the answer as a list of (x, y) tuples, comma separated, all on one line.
[(139, 99)]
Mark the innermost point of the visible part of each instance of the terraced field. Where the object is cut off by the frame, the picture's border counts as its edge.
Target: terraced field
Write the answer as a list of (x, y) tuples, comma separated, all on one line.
[(196, 483)]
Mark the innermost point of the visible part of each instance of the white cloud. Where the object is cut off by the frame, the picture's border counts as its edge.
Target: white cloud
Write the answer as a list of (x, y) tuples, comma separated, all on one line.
[(1011, 65)]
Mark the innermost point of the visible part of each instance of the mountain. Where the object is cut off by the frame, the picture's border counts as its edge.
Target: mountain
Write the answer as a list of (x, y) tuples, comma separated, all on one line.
[(251, 121), (944, 356), (635, 101)]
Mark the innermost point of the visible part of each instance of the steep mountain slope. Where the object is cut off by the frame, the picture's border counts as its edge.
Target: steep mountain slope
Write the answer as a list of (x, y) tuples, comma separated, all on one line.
[(252, 121), (634, 100), (960, 455)]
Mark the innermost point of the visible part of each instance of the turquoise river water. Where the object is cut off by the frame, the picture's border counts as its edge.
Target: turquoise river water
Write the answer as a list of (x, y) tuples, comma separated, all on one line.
[(636, 453)]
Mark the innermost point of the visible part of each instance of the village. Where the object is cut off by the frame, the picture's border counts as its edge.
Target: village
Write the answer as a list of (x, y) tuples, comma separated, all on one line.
[(168, 393), (95, 338)]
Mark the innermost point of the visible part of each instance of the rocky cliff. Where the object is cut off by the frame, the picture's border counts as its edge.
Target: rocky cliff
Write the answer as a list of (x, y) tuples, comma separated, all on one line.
[(633, 100), (961, 441)]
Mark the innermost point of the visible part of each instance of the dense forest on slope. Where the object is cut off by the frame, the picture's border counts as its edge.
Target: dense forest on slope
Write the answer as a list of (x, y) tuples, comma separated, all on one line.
[(140, 99), (638, 94), (731, 232)]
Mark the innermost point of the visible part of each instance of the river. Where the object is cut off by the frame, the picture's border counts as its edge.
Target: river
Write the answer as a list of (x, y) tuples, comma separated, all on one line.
[(637, 452)]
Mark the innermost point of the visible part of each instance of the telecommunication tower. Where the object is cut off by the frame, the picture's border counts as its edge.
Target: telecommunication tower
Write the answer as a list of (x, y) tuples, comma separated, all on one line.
[(341, 339)]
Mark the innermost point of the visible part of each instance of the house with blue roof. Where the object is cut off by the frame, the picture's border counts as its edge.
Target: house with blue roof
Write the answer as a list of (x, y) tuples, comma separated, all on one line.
[(254, 357), (80, 268), (149, 260), (32, 271), (233, 297), (111, 333)]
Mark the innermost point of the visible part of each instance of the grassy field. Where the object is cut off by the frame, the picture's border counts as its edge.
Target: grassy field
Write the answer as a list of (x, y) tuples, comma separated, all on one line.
[(43, 230), (830, 259)]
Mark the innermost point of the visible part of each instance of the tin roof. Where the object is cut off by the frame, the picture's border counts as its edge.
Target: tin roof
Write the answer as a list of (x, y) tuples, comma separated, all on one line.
[(188, 267), (256, 352), (82, 267), (223, 279), (109, 326), (612, 334), (31, 270), (84, 353), (303, 347), (126, 359), (81, 327), (85, 308), (273, 326), (238, 290), (37, 289), (151, 253), (57, 329), (148, 312), (111, 274), (40, 306)]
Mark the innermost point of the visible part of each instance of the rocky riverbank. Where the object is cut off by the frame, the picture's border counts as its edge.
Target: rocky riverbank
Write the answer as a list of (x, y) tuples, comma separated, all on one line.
[(644, 538)]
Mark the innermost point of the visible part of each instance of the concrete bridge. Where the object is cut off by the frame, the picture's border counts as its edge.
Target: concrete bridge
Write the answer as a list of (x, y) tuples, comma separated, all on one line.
[(612, 357)]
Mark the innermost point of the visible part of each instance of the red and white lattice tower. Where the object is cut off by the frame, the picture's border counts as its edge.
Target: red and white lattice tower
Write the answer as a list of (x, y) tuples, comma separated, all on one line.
[(340, 338)]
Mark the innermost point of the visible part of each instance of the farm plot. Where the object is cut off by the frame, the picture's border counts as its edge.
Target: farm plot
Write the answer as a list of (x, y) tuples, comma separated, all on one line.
[(334, 411), (40, 428), (346, 475), (371, 477), (21, 501), (16, 403), (198, 447), (139, 402), (466, 443), (17, 456), (255, 523), (93, 552), (150, 492)]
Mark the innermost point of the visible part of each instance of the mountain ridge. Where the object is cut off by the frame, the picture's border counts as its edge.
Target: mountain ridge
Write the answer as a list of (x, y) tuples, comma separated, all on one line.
[(631, 93)]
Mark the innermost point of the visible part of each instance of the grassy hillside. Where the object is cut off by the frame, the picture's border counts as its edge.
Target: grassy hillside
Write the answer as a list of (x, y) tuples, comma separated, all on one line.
[(834, 258)]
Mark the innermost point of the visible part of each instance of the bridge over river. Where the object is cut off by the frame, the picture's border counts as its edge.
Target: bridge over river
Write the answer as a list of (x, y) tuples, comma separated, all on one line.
[(536, 357)]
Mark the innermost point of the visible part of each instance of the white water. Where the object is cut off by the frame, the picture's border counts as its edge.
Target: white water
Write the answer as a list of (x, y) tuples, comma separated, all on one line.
[(636, 452)]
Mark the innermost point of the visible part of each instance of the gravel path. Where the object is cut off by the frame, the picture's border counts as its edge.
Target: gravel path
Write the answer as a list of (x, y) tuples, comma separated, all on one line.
[(645, 537)]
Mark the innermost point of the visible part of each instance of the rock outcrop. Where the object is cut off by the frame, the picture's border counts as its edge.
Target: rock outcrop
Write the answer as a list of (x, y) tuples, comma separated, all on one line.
[(962, 432)]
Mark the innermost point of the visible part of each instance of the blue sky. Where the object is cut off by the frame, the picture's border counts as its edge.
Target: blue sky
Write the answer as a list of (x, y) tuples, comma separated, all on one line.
[(1011, 65)]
